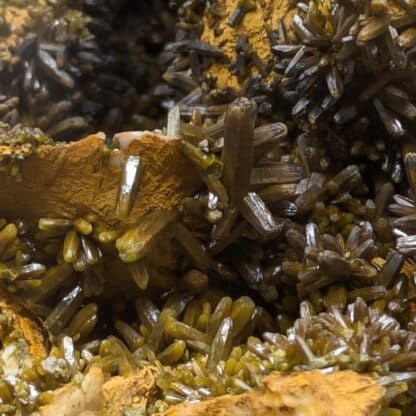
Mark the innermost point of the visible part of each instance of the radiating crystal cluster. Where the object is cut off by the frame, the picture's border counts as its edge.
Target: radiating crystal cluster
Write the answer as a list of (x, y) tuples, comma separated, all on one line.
[(295, 253)]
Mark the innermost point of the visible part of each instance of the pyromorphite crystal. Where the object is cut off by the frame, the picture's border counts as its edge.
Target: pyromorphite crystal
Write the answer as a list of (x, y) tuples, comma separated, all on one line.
[(140, 239), (238, 148)]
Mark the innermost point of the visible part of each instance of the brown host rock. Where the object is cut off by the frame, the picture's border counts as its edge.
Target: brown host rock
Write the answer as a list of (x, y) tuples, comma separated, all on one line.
[(312, 393), (133, 392), (18, 325), (254, 25), (77, 400), (96, 397), (302, 394), (83, 177)]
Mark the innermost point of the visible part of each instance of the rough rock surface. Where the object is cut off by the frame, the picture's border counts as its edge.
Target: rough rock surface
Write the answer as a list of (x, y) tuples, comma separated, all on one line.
[(97, 397), (122, 393), (77, 400), (300, 394), (254, 26), (14, 317), (83, 177)]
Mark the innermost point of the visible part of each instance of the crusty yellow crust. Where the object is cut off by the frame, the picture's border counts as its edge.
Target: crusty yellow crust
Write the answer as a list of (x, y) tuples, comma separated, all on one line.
[(30, 328)]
